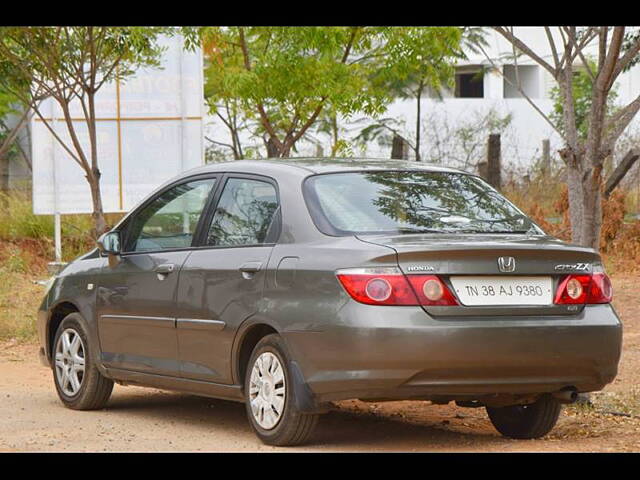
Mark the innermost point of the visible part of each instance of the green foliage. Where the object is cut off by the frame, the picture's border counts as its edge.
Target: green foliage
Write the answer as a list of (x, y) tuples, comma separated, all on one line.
[(283, 79), (71, 64), (582, 85), (418, 60), (8, 103), (18, 222), (74, 56), (419, 57)]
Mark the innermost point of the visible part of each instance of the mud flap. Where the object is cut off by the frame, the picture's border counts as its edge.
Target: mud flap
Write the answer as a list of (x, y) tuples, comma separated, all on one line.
[(304, 398)]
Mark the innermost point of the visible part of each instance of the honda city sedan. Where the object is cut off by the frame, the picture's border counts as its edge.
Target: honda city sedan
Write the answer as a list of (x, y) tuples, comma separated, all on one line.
[(288, 285)]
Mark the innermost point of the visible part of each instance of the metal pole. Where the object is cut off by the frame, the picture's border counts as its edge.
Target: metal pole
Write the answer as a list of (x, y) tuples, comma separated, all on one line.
[(57, 224), (58, 237)]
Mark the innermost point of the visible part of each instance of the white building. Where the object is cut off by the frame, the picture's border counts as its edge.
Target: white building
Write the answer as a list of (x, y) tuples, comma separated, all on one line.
[(470, 102)]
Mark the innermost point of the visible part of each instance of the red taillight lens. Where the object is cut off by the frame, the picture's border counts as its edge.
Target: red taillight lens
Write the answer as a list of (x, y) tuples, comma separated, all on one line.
[(377, 286), (600, 290), (581, 289), (431, 290), (389, 286)]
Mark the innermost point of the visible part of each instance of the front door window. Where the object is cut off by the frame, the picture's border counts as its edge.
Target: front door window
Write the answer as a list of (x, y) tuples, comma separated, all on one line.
[(169, 221)]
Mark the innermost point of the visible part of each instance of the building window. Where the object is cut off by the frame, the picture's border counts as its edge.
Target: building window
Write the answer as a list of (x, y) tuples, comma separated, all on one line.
[(469, 82), (528, 80)]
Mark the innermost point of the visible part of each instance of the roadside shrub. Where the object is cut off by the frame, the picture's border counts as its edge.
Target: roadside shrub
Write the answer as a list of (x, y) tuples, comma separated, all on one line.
[(18, 222), (545, 198)]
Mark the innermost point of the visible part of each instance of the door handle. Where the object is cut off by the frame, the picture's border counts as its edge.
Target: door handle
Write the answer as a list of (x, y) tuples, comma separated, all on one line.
[(249, 269), (165, 268)]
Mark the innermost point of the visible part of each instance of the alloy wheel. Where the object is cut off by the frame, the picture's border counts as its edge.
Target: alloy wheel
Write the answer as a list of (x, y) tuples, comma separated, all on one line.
[(70, 362)]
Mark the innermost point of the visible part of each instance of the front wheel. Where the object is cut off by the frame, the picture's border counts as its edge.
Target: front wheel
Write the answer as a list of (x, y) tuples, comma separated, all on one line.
[(79, 384), (269, 397), (526, 421)]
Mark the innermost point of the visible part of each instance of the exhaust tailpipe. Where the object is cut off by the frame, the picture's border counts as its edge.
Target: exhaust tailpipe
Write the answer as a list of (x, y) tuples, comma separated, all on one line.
[(568, 395)]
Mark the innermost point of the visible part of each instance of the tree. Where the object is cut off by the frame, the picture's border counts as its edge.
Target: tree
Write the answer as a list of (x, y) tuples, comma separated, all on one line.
[(10, 104), (285, 77), (582, 90), (289, 80), (71, 64), (584, 154), (418, 59)]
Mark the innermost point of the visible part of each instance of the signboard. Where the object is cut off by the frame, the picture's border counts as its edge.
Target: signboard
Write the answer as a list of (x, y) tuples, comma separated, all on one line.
[(149, 129)]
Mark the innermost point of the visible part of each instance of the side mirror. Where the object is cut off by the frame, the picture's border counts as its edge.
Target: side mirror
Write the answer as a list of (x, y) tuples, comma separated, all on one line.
[(109, 243)]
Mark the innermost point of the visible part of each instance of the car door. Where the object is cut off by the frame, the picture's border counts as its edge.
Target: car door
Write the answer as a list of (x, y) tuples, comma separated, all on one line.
[(136, 295), (222, 281)]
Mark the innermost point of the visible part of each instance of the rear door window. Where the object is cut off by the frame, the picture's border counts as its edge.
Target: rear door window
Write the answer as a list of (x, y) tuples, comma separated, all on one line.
[(246, 214)]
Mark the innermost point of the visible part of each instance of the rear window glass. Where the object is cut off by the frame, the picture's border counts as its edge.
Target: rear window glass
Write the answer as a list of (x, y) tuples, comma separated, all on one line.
[(410, 202)]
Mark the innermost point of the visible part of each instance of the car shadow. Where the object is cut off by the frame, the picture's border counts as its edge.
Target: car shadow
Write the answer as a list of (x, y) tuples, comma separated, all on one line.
[(338, 429)]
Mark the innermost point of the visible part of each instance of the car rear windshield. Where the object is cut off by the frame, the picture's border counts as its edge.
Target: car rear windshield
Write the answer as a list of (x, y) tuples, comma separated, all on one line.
[(410, 202)]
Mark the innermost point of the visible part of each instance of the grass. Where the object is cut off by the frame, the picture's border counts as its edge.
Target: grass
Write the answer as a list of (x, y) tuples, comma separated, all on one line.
[(26, 245), (19, 301), (18, 222)]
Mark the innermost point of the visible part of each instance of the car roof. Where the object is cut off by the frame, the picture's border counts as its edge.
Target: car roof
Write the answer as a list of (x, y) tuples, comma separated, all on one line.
[(306, 166)]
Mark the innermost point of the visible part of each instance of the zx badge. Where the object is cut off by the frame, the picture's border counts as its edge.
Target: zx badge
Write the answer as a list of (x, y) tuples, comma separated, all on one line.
[(572, 266)]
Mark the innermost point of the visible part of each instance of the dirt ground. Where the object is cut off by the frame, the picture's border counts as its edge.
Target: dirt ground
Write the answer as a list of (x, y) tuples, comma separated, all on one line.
[(138, 419)]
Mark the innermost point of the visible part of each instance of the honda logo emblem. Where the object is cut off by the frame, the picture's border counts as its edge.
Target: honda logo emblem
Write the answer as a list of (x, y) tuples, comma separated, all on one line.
[(506, 264)]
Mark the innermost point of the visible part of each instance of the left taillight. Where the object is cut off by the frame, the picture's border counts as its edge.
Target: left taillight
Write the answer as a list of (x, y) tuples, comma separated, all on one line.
[(389, 286)]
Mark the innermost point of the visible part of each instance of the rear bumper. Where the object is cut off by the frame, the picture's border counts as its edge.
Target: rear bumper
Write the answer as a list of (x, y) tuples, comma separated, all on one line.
[(399, 352)]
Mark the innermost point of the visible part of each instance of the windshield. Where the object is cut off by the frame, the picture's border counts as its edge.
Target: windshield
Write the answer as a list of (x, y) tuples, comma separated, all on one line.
[(410, 202)]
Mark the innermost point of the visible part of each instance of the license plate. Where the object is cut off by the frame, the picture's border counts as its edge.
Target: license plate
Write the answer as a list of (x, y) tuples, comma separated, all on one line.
[(507, 290)]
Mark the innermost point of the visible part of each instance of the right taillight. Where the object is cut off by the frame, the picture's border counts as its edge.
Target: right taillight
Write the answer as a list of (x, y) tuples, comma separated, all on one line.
[(389, 286), (600, 290), (584, 289)]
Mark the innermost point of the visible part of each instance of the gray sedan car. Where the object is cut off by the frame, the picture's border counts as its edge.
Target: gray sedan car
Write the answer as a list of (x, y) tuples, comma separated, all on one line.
[(289, 285)]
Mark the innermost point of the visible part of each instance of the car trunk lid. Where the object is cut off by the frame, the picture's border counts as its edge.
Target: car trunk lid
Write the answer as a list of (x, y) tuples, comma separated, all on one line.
[(478, 256)]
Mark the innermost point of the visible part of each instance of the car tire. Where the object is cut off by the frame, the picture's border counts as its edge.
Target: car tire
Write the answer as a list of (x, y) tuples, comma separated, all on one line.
[(263, 388), (526, 421), (89, 390)]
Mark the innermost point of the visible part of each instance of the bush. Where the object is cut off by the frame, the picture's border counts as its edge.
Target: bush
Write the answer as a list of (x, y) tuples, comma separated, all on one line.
[(18, 222), (545, 198)]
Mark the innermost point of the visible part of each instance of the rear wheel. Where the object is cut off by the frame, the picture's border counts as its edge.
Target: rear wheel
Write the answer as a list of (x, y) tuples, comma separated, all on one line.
[(79, 383), (269, 397), (526, 421)]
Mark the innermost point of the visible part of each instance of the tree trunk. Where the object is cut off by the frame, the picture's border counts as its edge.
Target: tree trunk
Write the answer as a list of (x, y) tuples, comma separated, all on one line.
[(4, 181), (585, 200), (418, 120), (272, 149), (592, 213), (99, 221), (335, 134), (546, 156), (398, 148), (493, 161), (575, 190)]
